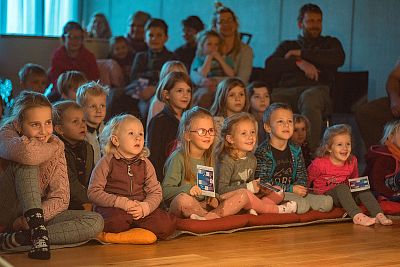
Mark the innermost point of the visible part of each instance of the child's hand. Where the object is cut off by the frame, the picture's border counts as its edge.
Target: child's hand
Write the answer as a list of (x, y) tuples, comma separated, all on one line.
[(217, 56), (256, 185), (20, 224), (195, 191), (300, 190), (136, 211), (212, 202)]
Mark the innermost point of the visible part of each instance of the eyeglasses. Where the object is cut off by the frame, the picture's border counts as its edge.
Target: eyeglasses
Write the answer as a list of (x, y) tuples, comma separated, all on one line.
[(203, 132)]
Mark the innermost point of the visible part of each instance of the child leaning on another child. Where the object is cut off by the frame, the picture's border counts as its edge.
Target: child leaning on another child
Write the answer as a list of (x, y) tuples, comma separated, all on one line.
[(236, 164)]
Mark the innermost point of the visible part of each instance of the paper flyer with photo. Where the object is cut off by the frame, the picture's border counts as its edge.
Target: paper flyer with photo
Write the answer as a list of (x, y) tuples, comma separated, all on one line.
[(205, 180), (359, 184)]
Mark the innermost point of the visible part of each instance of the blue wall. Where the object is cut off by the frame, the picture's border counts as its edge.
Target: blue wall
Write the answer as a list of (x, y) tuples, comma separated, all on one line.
[(368, 29)]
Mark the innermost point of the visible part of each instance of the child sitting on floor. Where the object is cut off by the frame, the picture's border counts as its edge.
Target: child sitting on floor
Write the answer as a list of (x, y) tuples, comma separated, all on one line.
[(124, 186), (300, 133), (330, 171)]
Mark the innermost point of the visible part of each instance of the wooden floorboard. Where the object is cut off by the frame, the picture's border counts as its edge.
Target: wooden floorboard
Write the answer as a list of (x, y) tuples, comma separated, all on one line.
[(335, 244)]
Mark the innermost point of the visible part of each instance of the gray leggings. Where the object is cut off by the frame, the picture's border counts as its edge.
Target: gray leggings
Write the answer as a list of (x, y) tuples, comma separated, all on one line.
[(342, 197), (310, 201), (20, 191)]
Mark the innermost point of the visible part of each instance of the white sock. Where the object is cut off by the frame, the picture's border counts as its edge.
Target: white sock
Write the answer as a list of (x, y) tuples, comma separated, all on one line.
[(253, 212), (288, 207), (197, 217)]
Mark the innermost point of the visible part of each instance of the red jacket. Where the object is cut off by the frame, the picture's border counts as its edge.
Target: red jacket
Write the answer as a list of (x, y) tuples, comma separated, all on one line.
[(84, 62), (381, 164)]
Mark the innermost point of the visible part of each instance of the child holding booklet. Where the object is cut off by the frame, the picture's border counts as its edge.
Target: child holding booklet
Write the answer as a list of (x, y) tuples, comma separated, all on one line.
[(330, 171), (196, 135), (236, 164)]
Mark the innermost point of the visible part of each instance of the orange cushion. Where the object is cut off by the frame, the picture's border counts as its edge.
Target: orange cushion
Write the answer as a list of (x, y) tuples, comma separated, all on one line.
[(136, 236), (222, 224)]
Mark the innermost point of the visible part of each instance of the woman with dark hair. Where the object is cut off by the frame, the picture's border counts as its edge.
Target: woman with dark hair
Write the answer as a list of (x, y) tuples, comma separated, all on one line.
[(226, 24)]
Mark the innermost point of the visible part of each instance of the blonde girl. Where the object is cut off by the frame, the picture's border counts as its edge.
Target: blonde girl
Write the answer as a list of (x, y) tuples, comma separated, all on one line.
[(383, 163), (156, 103), (34, 188), (330, 171), (236, 165), (196, 138), (123, 185), (176, 94)]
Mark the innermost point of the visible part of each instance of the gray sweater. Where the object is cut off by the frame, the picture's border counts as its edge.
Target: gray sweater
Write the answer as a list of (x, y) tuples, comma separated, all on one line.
[(234, 174)]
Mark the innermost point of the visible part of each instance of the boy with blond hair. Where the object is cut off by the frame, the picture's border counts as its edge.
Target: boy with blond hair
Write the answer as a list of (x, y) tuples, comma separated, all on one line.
[(92, 97)]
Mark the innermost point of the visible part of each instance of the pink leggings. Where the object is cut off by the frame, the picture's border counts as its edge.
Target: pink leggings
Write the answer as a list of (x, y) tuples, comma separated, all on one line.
[(184, 205), (266, 204)]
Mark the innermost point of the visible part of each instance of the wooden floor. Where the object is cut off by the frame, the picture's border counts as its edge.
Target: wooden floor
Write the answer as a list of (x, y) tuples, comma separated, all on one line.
[(336, 244)]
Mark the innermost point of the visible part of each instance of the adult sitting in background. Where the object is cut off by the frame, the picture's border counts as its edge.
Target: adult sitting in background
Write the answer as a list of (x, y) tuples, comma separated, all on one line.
[(226, 24), (98, 27), (304, 70), (185, 53), (372, 117), (72, 55), (135, 35)]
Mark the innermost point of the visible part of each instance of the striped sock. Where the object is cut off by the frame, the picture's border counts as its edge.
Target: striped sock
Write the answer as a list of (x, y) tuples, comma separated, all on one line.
[(13, 240)]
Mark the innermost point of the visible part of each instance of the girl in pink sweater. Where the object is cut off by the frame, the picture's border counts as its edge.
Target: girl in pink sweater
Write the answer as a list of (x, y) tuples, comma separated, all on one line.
[(34, 188), (124, 186), (330, 171)]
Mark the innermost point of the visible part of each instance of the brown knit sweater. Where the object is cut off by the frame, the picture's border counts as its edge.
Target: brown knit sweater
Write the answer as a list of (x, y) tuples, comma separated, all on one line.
[(50, 158)]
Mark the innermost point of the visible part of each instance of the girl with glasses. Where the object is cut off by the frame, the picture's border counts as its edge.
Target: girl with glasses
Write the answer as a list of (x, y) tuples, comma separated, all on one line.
[(236, 165), (181, 193)]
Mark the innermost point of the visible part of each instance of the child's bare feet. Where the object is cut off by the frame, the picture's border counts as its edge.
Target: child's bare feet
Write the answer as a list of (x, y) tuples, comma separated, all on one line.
[(364, 220), (382, 219)]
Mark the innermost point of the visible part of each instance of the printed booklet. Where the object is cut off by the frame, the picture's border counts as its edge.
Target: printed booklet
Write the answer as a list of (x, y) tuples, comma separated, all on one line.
[(205, 180), (359, 184)]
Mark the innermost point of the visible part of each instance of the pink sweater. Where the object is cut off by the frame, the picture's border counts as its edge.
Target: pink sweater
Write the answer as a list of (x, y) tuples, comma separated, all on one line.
[(50, 158), (324, 175), (98, 181)]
